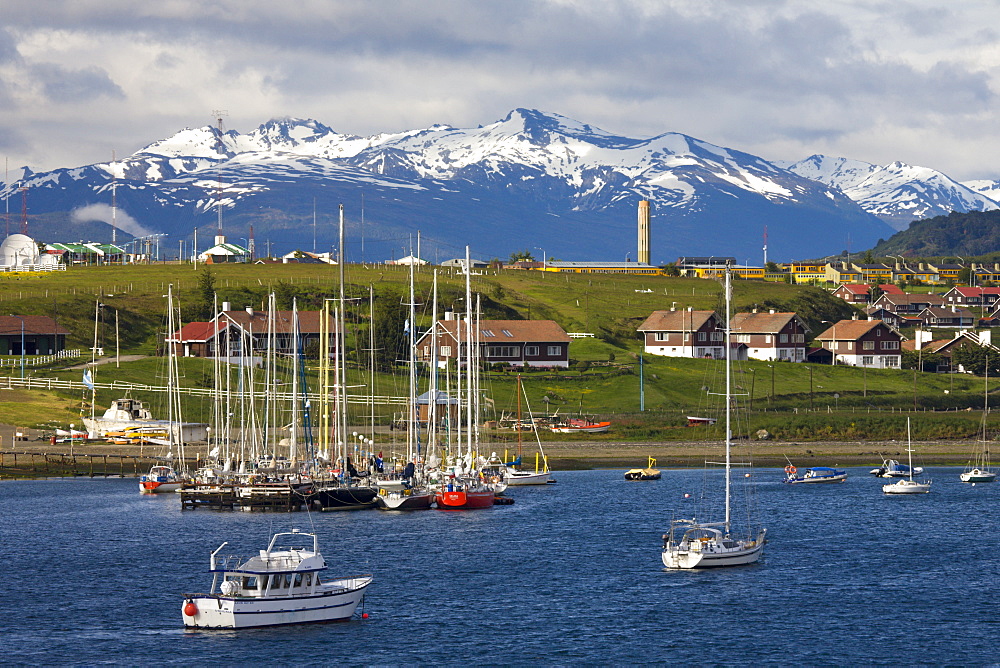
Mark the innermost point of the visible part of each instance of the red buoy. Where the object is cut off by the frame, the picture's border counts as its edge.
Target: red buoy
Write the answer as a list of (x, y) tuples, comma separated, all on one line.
[(364, 615), (190, 609)]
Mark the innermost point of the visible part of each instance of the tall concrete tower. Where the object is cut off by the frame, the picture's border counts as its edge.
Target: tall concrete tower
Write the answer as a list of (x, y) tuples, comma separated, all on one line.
[(643, 255)]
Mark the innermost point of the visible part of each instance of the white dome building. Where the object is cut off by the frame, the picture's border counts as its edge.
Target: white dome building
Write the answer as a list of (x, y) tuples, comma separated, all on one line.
[(18, 250)]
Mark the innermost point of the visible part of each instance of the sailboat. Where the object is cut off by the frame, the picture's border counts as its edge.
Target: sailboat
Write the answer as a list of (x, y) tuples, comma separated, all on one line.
[(408, 491), (164, 478), (690, 543), (978, 469), (908, 485), (345, 490), (516, 476)]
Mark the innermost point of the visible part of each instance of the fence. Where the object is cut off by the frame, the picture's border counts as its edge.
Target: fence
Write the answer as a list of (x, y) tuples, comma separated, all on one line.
[(38, 360)]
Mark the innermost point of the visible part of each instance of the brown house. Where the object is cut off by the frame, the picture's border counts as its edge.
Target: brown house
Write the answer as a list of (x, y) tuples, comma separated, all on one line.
[(41, 335), (245, 334), (538, 343), (853, 293), (868, 343), (771, 336), (687, 333), (908, 304)]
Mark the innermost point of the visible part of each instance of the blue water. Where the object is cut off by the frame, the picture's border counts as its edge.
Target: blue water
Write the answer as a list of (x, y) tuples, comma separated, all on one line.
[(570, 574)]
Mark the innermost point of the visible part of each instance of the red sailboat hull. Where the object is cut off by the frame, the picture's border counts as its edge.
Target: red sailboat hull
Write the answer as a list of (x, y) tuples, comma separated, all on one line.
[(464, 500)]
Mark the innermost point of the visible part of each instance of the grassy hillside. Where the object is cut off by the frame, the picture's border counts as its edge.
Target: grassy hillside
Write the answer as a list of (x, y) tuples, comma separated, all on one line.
[(797, 401)]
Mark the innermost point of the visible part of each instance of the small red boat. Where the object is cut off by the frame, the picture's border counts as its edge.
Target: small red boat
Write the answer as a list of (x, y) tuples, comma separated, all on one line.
[(581, 425), (454, 497)]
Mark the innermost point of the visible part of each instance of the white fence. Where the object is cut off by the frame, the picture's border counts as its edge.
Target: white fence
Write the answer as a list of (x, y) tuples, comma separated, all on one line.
[(38, 360)]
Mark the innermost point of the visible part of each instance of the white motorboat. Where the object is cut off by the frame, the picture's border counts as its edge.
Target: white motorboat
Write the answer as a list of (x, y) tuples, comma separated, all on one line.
[(893, 469), (131, 415), (908, 485), (281, 585), (693, 544), (816, 474)]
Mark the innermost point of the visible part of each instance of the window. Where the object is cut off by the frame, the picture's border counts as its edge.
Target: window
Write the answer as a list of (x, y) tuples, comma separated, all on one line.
[(767, 338), (783, 338), (890, 361), (507, 333), (531, 351), (488, 332), (717, 336), (798, 338), (662, 336), (446, 351), (890, 345), (701, 336), (309, 579), (868, 345), (742, 338), (298, 579), (555, 351), (867, 360), (501, 351), (687, 336), (427, 351)]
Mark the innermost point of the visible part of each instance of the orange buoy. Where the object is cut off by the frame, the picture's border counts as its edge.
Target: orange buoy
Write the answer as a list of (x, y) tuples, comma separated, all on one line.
[(190, 609)]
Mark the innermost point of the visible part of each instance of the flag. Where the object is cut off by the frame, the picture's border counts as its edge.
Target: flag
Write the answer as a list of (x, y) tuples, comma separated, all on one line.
[(88, 380)]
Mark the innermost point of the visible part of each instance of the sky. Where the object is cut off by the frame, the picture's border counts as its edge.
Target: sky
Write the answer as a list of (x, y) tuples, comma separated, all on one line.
[(910, 80)]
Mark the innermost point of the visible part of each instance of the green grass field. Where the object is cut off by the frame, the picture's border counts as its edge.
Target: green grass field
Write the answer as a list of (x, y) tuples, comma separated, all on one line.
[(832, 402)]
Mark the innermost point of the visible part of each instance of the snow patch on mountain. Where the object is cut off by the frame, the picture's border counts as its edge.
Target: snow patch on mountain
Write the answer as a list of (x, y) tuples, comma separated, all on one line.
[(897, 193)]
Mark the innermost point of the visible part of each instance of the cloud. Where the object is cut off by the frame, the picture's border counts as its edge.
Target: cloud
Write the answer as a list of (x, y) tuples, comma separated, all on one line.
[(103, 213), (64, 85)]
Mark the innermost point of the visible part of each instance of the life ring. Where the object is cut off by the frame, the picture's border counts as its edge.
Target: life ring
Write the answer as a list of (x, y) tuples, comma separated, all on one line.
[(494, 479), (790, 470)]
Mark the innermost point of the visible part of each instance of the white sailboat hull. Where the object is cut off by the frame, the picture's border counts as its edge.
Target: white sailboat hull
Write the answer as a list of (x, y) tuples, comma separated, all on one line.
[(907, 487), (712, 555), (977, 475), (224, 612), (516, 478)]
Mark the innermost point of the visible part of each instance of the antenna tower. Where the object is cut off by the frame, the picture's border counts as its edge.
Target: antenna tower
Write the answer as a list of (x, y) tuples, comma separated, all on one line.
[(765, 247), (251, 249), (24, 210), (114, 199), (220, 145)]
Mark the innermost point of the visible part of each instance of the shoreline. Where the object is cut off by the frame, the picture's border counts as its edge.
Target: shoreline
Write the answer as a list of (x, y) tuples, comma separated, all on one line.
[(39, 458)]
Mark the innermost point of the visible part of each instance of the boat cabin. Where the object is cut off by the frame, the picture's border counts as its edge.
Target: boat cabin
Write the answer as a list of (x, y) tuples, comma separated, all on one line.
[(280, 570)]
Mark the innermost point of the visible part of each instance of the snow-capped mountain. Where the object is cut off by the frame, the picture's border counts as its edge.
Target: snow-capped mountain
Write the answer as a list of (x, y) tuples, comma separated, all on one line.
[(897, 193), (531, 180)]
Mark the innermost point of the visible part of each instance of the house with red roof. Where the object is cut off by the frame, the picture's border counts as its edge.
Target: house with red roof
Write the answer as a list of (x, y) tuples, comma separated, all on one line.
[(853, 293), (41, 335)]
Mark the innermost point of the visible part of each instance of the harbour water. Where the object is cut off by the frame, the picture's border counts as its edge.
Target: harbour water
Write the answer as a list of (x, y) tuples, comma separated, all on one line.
[(569, 574)]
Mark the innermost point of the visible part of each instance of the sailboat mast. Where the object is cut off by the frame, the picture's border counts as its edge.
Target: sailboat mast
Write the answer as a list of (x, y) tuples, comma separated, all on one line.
[(293, 438), (469, 357), (729, 432), (411, 344), (342, 372), (432, 416)]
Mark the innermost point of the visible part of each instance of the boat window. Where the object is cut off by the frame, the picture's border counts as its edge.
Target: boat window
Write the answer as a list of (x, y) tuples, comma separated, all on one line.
[(298, 579), (309, 579), (250, 582), (263, 583), (288, 580)]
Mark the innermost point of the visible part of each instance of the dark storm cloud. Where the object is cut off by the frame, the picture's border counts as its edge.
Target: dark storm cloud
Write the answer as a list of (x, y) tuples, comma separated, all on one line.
[(75, 85)]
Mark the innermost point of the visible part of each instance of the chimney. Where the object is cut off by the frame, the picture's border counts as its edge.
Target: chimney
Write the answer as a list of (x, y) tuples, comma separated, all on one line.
[(690, 309), (771, 311), (226, 306), (250, 310), (985, 337), (643, 254), (449, 315)]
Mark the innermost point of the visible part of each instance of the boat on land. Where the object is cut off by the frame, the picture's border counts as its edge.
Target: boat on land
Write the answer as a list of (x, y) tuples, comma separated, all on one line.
[(690, 543), (815, 474), (128, 417), (908, 485), (280, 585), (648, 473), (581, 426), (979, 468)]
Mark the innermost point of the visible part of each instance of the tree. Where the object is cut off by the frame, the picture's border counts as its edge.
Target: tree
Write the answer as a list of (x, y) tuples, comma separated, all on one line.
[(389, 330), (521, 255), (771, 268), (974, 359), (205, 292), (672, 269), (582, 366)]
